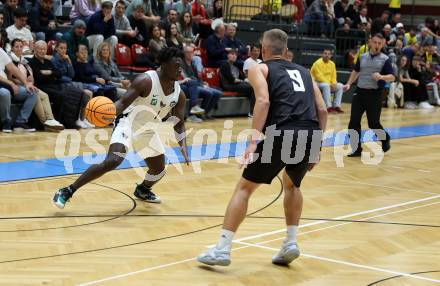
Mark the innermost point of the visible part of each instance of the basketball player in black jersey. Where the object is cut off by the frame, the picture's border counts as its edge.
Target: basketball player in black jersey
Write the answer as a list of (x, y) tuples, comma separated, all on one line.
[(291, 113)]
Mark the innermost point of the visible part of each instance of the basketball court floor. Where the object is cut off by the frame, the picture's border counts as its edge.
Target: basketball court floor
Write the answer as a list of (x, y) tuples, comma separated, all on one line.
[(363, 223)]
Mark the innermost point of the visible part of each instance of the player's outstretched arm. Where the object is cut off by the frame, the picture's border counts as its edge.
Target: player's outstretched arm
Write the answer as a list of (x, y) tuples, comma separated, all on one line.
[(179, 128), (321, 109), (141, 86), (257, 77)]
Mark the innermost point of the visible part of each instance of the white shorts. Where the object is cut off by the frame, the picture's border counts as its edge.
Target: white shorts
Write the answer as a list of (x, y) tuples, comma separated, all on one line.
[(146, 144)]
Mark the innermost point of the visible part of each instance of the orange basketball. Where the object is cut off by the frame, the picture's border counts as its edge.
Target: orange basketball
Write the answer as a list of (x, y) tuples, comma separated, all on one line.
[(100, 111)]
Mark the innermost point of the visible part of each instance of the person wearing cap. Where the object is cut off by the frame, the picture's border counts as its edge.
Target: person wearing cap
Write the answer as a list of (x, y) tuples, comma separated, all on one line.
[(372, 70), (75, 37)]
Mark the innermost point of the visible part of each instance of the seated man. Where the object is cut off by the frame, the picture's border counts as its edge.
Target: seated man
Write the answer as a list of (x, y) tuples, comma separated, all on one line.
[(101, 27), (254, 59), (324, 73), (75, 37), (85, 72), (42, 21), (138, 24), (124, 31), (230, 41), (210, 95), (215, 48), (231, 79), (19, 31)]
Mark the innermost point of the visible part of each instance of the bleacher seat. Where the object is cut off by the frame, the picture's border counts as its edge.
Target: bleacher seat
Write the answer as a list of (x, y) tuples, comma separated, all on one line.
[(204, 56), (123, 56), (211, 76), (137, 50)]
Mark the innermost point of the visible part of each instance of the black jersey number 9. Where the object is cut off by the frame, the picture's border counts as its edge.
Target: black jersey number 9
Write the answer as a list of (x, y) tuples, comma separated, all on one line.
[(297, 81)]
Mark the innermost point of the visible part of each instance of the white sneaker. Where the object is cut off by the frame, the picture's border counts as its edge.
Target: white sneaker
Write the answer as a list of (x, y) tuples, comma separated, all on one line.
[(288, 252), (215, 256), (81, 124), (197, 110), (410, 105), (425, 105), (195, 119), (89, 125), (53, 124)]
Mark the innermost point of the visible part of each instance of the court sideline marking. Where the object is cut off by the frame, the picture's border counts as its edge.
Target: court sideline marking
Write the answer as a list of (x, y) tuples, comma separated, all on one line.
[(257, 236)]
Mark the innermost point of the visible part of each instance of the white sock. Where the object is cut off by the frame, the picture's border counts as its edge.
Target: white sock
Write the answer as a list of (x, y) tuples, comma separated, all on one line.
[(225, 240), (291, 233)]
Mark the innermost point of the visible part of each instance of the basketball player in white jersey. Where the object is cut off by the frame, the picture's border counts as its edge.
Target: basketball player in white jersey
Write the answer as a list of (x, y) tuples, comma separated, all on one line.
[(151, 97)]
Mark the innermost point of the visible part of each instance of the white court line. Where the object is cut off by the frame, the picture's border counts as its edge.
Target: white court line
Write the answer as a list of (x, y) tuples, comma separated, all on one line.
[(350, 264), (250, 237), (373, 185), (345, 223)]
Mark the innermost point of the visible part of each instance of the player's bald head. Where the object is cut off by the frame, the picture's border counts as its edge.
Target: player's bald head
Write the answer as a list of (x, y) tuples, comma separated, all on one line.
[(275, 41)]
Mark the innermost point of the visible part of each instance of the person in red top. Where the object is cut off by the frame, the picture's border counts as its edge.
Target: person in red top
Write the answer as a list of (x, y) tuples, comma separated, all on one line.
[(300, 12), (198, 10)]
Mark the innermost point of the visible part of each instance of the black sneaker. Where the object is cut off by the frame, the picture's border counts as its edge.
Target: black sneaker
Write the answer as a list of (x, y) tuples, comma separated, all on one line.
[(143, 193), (23, 126), (7, 126), (386, 146), (357, 153), (61, 197)]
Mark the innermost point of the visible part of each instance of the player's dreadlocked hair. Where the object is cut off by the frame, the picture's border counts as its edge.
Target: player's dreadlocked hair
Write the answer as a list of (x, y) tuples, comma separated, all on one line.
[(166, 54)]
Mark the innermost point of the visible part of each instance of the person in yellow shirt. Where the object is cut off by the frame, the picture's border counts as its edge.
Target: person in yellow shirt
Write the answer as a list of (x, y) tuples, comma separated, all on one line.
[(323, 72), (395, 6), (410, 37)]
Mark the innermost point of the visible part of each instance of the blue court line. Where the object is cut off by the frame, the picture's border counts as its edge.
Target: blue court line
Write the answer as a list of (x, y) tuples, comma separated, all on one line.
[(32, 169)]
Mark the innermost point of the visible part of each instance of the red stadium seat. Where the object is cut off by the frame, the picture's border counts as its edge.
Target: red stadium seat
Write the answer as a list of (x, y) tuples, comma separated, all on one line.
[(51, 47), (211, 76), (123, 56), (204, 57), (137, 50)]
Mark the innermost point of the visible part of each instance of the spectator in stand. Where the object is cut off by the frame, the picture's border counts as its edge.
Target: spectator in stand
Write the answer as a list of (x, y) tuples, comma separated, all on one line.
[(341, 8), (395, 19), (290, 56), (424, 37), (217, 9), (62, 62), (390, 38), (316, 18), (3, 34), (353, 12), (42, 21), (324, 73), (11, 92), (8, 12), (43, 109), (215, 47), (148, 17), (174, 39), (68, 100), (414, 90), (254, 58), (230, 41), (380, 22), (138, 24), (411, 37), (185, 27), (85, 72), (411, 51), (395, 6), (165, 23), (83, 9), (430, 54), (157, 42), (107, 69), (183, 6), (19, 31), (74, 37), (197, 11), (346, 39), (362, 18), (101, 27), (195, 88), (124, 32), (232, 79), (399, 32)]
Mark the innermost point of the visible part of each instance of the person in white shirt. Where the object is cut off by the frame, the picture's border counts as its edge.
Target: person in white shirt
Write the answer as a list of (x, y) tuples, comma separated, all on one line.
[(19, 31), (253, 59)]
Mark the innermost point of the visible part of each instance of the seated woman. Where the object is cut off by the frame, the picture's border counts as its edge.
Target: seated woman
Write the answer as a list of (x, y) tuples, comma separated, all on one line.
[(108, 70), (174, 39), (42, 108), (185, 27), (157, 42), (85, 72), (63, 64), (414, 89), (232, 79)]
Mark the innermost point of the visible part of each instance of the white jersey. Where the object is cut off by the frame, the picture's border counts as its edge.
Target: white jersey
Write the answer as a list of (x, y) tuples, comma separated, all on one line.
[(138, 124)]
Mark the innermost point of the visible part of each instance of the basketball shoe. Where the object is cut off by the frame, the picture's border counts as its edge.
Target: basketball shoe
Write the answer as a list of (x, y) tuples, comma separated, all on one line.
[(215, 256), (144, 193), (288, 252), (61, 197)]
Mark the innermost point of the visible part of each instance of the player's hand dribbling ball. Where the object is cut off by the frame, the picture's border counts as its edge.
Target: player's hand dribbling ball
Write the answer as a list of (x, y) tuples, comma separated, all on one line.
[(100, 111)]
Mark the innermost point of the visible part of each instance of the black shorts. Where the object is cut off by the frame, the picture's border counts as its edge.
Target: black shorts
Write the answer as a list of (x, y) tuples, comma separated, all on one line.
[(298, 150)]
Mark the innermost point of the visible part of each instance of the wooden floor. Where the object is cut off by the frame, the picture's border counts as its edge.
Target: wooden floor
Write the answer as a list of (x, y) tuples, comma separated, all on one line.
[(362, 224)]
